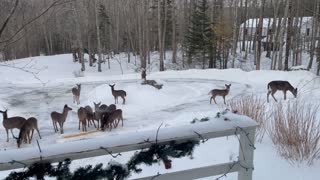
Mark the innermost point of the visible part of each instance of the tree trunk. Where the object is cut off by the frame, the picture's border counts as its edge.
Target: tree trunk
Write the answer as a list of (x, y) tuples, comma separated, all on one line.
[(98, 36), (160, 37)]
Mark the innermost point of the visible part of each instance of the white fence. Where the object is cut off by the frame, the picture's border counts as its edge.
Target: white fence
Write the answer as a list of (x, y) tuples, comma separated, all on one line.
[(18, 158)]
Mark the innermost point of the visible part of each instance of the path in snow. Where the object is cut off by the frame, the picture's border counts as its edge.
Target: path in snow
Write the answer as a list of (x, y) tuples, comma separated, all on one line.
[(187, 99)]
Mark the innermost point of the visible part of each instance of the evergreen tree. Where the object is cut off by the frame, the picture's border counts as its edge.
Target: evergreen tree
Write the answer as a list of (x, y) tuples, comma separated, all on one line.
[(199, 39)]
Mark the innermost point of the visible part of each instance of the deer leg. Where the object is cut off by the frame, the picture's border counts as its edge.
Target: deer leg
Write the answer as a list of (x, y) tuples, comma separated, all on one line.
[(74, 99), (123, 100), (32, 133), (54, 126), (214, 99), (94, 123), (61, 127), (38, 132), (7, 135), (211, 99), (224, 99), (285, 95), (115, 100), (29, 137), (12, 133), (269, 92), (79, 125), (272, 94)]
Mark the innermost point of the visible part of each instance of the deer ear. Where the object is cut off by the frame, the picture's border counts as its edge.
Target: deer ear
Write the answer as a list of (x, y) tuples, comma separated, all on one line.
[(229, 84)]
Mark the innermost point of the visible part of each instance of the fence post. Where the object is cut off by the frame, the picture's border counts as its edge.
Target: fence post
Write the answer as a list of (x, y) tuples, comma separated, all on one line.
[(246, 154)]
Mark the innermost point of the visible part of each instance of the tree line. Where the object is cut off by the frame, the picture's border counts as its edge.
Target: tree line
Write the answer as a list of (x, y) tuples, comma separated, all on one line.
[(204, 33)]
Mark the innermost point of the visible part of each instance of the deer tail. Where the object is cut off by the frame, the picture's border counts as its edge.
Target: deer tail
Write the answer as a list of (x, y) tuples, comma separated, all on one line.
[(210, 92), (268, 87)]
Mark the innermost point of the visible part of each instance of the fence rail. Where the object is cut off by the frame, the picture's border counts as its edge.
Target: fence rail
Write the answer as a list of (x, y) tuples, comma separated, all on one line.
[(137, 140)]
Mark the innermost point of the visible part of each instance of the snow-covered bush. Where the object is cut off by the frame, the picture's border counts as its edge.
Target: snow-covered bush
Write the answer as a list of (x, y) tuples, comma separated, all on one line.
[(295, 131), (254, 107)]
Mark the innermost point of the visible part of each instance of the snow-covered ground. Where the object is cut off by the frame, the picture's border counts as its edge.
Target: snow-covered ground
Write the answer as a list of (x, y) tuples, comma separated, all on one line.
[(183, 97)]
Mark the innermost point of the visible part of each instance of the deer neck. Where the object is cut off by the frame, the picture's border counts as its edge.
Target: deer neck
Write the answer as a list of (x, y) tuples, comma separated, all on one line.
[(65, 113), (5, 116), (112, 89)]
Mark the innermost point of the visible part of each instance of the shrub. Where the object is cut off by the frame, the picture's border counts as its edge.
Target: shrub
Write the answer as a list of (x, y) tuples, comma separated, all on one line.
[(295, 131), (254, 107)]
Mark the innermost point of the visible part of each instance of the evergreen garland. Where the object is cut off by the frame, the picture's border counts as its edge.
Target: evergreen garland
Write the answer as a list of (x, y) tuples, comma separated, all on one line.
[(114, 170)]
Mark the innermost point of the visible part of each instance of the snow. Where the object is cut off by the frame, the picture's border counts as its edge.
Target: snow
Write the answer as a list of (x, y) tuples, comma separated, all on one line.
[(183, 97)]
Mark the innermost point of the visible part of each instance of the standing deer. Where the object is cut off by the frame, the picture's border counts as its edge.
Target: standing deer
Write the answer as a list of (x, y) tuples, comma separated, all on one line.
[(284, 86), (117, 93), (11, 123), (82, 115), (99, 110), (219, 92), (110, 119), (90, 115), (76, 93), (27, 128), (60, 118)]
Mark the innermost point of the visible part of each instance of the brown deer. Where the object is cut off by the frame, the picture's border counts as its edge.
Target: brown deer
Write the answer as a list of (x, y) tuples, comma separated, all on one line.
[(76, 93), (27, 128), (11, 123), (219, 92), (90, 115), (99, 110), (284, 86), (60, 118), (110, 119), (82, 115), (117, 93)]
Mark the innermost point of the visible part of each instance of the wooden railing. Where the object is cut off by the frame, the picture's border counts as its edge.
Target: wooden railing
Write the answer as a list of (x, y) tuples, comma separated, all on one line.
[(18, 158)]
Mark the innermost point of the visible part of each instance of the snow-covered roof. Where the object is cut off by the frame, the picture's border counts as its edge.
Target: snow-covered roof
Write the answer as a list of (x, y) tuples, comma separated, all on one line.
[(254, 21)]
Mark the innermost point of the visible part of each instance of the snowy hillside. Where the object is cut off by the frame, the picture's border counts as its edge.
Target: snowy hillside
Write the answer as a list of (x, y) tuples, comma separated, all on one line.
[(184, 96)]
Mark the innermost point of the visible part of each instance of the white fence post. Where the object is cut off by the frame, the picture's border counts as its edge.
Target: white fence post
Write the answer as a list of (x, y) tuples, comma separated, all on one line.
[(246, 148)]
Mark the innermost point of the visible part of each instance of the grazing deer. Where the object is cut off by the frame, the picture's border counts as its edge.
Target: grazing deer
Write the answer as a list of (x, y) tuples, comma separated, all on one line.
[(90, 115), (219, 92), (82, 115), (284, 86), (117, 93), (110, 119), (60, 118), (76, 93), (11, 123), (111, 108), (27, 128)]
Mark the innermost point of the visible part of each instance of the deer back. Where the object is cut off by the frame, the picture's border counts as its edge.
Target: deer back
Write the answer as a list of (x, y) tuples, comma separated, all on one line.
[(221, 92), (14, 122), (117, 114), (33, 122), (76, 90), (280, 85), (111, 108), (82, 114)]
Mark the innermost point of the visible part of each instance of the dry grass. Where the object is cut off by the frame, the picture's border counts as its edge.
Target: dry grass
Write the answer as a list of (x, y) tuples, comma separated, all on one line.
[(295, 131), (254, 107)]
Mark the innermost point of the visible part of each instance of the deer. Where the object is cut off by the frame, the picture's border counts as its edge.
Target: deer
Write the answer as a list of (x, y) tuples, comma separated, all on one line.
[(99, 110), (60, 118), (219, 92), (90, 115), (82, 115), (117, 93), (110, 119), (76, 93), (284, 86), (11, 123), (27, 128)]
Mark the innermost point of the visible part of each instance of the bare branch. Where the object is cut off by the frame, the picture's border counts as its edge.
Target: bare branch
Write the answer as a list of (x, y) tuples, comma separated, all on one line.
[(9, 17)]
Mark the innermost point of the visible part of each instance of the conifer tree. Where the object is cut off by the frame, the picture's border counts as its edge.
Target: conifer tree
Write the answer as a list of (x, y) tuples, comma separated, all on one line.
[(199, 36)]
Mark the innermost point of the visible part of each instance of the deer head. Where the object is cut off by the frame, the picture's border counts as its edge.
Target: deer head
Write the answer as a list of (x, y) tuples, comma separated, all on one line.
[(67, 108), (227, 86)]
